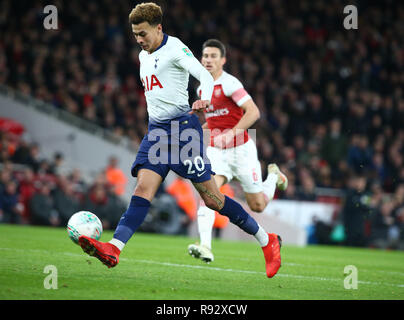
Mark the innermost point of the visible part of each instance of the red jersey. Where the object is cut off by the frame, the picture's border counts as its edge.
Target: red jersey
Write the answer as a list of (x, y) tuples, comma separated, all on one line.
[(224, 111)]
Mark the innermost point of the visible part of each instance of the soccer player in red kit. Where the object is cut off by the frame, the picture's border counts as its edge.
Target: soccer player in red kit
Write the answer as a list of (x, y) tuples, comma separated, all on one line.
[(231, 151)]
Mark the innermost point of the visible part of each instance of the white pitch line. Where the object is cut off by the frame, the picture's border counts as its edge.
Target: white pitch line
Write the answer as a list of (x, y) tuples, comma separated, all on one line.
[(260, 273), (169, 264), (193, 266)]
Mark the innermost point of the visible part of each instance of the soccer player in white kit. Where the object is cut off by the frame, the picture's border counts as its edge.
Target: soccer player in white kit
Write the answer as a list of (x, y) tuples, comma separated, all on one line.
[(174, 140), (231, 151)]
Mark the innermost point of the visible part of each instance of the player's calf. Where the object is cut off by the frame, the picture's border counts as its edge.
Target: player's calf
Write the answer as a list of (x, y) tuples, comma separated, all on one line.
[(210, 194), (238, 216)]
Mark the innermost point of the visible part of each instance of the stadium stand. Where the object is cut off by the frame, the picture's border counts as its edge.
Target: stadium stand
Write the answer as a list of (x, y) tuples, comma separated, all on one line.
[(331, 100), (41, 191)]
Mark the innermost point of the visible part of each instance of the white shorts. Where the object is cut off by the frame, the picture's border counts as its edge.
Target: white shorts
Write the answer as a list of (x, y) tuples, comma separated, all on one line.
[(240, 163)]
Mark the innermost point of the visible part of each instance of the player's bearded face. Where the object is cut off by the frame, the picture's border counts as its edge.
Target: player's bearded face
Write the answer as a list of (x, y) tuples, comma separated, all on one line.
[(212, 59), (147, 36)]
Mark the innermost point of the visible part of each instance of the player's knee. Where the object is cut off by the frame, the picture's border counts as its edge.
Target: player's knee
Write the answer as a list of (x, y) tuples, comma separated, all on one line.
[(257, 206), (142, 190)]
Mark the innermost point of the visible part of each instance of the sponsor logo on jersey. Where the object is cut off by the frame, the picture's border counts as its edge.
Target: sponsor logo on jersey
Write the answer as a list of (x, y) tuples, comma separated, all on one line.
[(149, 85), (217, 113)]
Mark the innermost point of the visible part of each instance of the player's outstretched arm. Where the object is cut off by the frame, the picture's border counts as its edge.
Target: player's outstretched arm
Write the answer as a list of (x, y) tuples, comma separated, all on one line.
[(188, 62)]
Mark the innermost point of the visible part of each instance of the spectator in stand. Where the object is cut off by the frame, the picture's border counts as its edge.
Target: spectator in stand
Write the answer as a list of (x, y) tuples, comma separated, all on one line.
[(42, 207), (117, 207), (307, 192), (312, 152), (396, 161), (360, 154), (44, 168), (98, 202), (7, 146), (27, 154), (66, 202), (115, 177), (21, 154), (381, 222), (335, 144), (10, 208), (57, 166), (290, 193), (324, 175), (355, 211), (5, 176), (399, 222), (27, 189), (378, 171), (377, 196), (78, 183), (398, 196)]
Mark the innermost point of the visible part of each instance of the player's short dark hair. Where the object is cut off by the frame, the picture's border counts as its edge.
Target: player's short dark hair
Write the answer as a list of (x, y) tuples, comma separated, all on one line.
[(216, 44), (146, 12)]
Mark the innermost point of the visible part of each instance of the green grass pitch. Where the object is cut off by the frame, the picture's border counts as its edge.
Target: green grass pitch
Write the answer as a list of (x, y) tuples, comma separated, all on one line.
[(158, 267)]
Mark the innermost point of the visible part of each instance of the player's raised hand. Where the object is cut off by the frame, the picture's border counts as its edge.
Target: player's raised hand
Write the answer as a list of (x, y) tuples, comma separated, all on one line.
[(199, 106)]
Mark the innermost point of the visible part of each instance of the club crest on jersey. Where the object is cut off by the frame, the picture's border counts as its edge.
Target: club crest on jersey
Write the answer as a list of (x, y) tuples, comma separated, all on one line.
[(218, 92), (149, 85), (187, 52)]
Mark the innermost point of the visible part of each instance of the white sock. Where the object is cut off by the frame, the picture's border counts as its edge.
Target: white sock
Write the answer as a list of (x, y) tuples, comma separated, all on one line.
[(206, 219), (262, 236), (117, 243), (269, 185)]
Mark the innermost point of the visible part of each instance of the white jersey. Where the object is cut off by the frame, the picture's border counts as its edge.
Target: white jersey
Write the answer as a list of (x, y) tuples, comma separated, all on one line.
[(165, 74)]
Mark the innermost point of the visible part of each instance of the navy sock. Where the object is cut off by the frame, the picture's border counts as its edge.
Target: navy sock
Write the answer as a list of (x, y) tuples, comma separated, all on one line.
[(132, 218), (239, 216)]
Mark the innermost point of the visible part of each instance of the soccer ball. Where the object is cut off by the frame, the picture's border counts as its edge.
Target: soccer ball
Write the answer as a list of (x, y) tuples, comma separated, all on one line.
[(84, 223)]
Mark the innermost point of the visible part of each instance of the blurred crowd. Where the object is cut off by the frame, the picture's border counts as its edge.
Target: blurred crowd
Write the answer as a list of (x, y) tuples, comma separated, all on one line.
[(331, 99), (39, 191)]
